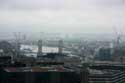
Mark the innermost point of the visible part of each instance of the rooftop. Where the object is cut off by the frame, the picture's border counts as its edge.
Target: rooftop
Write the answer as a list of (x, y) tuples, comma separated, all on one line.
[(37, 69)]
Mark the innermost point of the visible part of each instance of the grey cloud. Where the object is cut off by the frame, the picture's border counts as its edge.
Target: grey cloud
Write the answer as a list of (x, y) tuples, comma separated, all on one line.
[(58, 4), (86, 13), (31, 4)]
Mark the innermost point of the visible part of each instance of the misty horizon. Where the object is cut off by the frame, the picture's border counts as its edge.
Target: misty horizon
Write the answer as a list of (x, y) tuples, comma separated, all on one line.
[(62, 16)]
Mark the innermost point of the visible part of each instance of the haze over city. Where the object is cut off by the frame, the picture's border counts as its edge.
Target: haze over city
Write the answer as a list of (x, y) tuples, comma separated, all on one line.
[(62, 16), (62, 41)]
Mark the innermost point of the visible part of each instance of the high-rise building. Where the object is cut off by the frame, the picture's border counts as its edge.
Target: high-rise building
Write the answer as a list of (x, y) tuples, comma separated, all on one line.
[(60, 48), (104, 54), (106, 76), (39, 48)]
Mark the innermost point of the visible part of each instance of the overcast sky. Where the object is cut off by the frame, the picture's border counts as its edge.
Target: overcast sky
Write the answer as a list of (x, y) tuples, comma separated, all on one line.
[(84, 16)]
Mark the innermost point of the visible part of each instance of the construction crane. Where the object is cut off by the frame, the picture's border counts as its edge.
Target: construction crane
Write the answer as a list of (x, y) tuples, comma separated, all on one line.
[(118, 40), (17, 43), (118, 36)]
